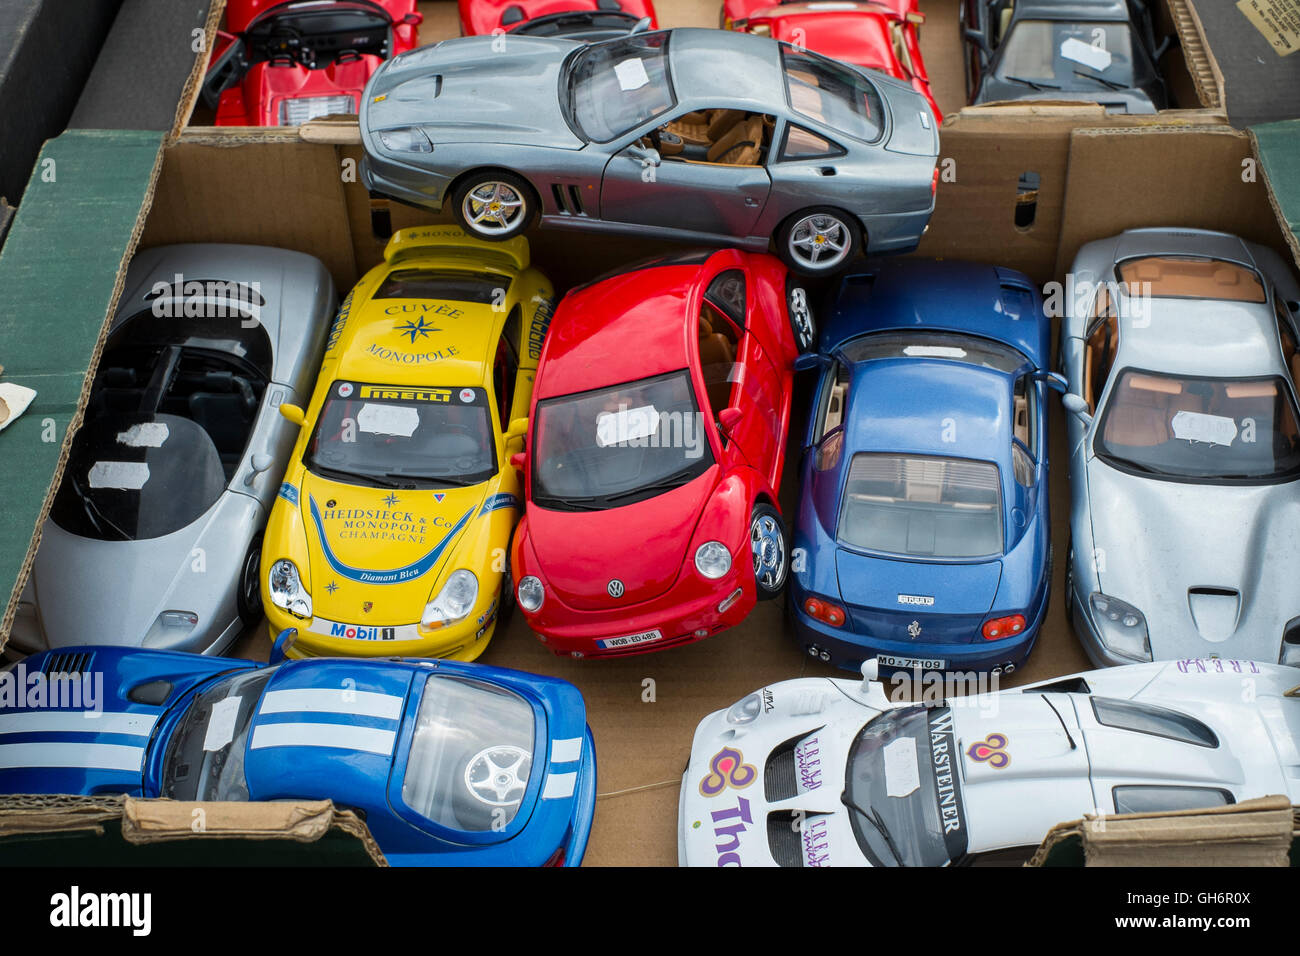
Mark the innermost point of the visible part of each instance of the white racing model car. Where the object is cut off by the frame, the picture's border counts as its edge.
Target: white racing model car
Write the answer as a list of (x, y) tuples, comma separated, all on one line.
[(829, 772)]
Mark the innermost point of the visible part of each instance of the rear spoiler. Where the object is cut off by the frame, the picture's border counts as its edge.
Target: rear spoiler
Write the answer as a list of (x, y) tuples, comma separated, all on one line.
[(453, 241)]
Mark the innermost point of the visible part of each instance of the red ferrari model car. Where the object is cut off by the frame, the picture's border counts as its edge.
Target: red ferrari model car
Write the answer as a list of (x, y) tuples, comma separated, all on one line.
[(580, 19), (876, 35), (283, 63), (655, 452)]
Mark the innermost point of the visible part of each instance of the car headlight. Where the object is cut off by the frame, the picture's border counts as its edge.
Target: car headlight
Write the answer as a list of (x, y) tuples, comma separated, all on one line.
[(712, 559), (405, 139), (413, 58), (530, 593), (1291, 643), (454, 601), (746, 710), (1121, 627), (286, 590)]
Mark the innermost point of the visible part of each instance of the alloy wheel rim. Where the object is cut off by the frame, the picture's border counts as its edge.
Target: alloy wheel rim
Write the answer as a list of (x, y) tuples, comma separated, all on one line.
[(768, 547), (493, 207), (819, 241)]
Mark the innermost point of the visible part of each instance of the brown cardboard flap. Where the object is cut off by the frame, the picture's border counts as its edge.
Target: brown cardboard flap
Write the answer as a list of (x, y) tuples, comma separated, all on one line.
[(24, 814)]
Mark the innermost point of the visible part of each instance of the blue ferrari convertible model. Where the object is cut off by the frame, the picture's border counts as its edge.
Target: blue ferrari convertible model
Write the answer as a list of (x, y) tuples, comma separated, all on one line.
[(923, 537), (448, 763)]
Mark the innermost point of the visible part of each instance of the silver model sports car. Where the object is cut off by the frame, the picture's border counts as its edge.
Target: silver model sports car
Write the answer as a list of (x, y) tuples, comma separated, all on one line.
[(1180, 348), (155, 535), (682, 134)]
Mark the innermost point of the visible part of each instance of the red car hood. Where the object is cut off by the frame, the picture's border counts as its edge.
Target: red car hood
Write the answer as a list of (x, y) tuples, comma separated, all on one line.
[(642, 544)]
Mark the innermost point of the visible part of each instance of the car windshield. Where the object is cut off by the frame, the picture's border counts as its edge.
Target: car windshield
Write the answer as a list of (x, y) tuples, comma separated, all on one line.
[(615, 446), (471, 755), (616, 86), (833, 94), (931, 345), (400, 436), (134, 476), (922, 507), (479, 287), (1070, 55), (205, 757), (902, 790), (1207, 429), (316, 34)]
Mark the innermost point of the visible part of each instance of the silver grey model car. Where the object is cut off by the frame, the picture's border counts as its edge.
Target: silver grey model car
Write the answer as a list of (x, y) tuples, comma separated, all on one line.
[(1180, 349), (154, 537), (681, 134)]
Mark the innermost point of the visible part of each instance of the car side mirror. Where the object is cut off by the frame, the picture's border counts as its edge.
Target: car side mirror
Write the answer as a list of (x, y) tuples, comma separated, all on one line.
[(261, 462), (1076, 406), (644, 154), (728, 419), (413, 19), (294, 413), (1053, 380), (807, 361), (641, 26), (280, 649), (518, 429), (916, 18), (519, 460), (974, 36)]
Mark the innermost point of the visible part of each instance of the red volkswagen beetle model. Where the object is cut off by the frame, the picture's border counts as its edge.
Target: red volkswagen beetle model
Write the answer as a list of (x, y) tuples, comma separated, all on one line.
[(876, 35), (283, 63), (658, 431), (578, 19)]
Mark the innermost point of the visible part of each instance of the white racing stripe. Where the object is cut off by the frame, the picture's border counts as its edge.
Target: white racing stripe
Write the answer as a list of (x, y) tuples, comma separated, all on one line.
[(332, 700), (566, 750), (78, 722), (559, 785), (74, 756), (338, 736)]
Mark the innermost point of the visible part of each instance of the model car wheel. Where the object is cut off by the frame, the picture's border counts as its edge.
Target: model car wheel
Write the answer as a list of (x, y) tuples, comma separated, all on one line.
[(1069, 584), (506, 603), (801, 318), (249, 597), (818, 242), (497, 776), (768, 544), (494, 205)]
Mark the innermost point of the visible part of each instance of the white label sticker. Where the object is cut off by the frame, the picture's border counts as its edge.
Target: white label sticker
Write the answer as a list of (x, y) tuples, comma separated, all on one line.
[(221, 724), (401, 420), (902, 774), (934, 351), (1212, 429), (144, 435), (1087, 54), (119, 475), (631, 74), (626, 424)]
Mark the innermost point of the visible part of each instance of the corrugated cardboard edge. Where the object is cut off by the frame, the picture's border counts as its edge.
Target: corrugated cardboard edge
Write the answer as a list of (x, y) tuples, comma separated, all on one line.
[(1201, 64), (303, 821), (190, 94), (1289, 229), (23, 814), (1251, 833), (74, 423)]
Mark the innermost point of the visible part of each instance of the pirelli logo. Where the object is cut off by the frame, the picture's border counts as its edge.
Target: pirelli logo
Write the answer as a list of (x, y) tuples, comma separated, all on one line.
[(406, 395)]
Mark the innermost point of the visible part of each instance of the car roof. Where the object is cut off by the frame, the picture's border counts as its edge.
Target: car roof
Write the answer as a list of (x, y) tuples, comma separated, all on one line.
[(715, 65), (1073, 10), (1201, 337)]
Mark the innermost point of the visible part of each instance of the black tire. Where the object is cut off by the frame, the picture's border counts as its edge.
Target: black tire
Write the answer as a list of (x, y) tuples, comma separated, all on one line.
[(505, 603), (818, 226), (248, 593), (509, 188), (802, 322), (770, 547), (1069, 584)]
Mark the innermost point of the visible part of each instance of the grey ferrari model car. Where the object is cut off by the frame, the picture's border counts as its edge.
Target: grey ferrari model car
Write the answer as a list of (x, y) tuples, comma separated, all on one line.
[(1180, 349), (684, 134), (154, 537)]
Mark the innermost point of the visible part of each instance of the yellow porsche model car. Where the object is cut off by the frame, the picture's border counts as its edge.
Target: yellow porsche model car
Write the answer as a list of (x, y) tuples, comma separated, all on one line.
[(391, 532)]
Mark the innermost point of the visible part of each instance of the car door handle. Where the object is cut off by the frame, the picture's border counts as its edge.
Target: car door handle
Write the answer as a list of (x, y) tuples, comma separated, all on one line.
[(825, 170), (751, 201)]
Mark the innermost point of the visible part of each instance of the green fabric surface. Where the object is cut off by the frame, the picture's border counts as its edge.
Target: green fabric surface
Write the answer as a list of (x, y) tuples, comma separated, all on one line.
[(58, 269), (1278, 147)]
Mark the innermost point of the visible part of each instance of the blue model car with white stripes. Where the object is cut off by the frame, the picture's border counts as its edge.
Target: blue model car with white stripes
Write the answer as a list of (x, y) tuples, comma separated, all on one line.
[(449, 763)]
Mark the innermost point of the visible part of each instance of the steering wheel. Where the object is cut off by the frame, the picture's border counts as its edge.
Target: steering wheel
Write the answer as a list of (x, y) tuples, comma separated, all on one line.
[(498, 775)]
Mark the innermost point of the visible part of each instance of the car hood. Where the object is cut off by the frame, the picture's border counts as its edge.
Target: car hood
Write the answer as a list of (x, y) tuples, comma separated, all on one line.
[(1212, 567), (580, 552), (377, 553), (467, 90)]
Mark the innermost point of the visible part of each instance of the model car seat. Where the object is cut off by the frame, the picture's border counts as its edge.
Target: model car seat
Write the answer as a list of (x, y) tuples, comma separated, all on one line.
[(717, 357), (741, 146), (1142, 408)]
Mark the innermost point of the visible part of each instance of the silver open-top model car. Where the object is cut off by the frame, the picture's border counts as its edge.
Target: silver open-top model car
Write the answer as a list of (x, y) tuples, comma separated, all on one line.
[(682, 134), (154, 538), (1180, 348)]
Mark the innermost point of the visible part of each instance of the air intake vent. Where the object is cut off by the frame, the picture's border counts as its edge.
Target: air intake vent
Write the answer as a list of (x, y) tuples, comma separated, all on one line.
[(780, 781), (783, 839), (74, 663)]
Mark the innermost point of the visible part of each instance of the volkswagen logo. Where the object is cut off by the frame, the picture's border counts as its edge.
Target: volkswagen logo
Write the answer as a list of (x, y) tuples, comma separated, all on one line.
[(914, 630), (615, 588)]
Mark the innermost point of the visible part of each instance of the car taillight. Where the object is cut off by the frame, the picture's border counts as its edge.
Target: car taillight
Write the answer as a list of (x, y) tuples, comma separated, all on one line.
[(824, 611), (934, 181), (997, 628), (557, 858)]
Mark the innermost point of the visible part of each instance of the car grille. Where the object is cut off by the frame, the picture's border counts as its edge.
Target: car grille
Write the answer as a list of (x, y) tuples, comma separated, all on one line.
[(783, 839), (69, 662)]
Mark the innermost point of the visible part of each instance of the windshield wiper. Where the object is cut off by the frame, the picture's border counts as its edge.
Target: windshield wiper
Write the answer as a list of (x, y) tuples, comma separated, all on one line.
[(873, 817), (1101, 79), (93, 512), (667, 483), (452, 480), (1036, 84), (338, 474), (573, 504)]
